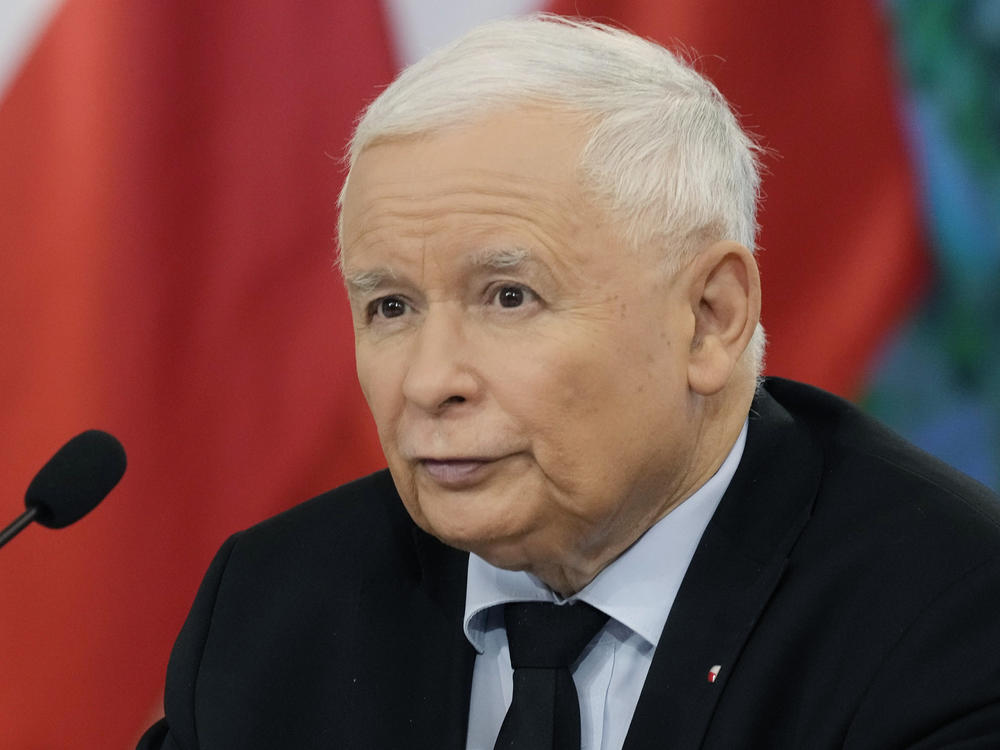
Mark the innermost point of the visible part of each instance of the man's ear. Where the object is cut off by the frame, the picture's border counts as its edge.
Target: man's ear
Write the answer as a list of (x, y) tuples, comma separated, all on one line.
[(724, 293)]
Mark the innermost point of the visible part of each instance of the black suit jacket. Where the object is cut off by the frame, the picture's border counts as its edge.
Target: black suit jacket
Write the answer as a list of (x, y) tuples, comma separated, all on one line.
[(848, 586)]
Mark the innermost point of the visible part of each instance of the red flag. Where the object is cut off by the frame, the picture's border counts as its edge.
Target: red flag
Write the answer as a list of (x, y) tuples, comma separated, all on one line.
[(841, 253), (169, 183)]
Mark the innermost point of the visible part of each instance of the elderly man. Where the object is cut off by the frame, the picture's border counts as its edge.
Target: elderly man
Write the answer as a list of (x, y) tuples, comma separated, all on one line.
[(598, 529)]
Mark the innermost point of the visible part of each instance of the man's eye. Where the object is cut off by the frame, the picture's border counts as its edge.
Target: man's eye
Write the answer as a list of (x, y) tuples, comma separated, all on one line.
[(387, 307), (512, 295)]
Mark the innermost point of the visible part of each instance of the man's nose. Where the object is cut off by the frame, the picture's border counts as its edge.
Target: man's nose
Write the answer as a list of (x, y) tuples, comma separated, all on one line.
[(439, 373)]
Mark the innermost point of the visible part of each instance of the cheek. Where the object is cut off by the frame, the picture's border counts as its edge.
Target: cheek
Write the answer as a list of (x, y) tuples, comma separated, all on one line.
[(375, 376), (602, 404), (363, 366), (382, 393), (575, 413)]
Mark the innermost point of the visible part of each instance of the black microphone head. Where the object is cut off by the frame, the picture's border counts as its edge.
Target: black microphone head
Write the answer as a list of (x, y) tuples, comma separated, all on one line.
[(76, 479)]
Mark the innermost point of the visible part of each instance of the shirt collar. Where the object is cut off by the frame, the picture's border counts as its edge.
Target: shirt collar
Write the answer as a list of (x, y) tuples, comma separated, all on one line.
[(637, 589)]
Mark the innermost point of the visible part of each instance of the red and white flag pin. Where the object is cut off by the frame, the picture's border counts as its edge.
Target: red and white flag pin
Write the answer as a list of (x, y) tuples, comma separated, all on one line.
[(713, 673)]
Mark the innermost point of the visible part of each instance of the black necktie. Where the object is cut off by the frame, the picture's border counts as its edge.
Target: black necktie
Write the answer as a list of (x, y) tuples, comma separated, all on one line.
[(545, 639)]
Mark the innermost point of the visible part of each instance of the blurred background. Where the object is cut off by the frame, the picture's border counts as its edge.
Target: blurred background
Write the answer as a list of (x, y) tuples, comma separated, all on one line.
[(168, 176)]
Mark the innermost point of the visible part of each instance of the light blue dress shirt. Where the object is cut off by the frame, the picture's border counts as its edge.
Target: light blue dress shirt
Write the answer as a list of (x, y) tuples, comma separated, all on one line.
[(636, 590)]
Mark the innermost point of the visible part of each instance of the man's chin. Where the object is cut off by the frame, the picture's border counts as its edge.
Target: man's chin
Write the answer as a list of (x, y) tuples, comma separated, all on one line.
[(496, 522), (499, 545)]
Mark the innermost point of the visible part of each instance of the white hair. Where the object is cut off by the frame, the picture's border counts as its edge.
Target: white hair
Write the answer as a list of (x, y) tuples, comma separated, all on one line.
[(665, 154)]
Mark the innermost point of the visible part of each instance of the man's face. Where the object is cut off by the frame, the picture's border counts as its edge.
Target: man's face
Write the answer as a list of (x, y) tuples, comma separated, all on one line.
[(525, 369)]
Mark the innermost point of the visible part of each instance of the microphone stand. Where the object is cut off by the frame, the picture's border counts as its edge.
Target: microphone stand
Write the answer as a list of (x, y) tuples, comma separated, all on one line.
[(18, 525)]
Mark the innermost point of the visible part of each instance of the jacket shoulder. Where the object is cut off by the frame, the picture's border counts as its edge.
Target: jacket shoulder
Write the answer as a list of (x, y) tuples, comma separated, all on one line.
[(875, 459), (369, 500), (359, 529)]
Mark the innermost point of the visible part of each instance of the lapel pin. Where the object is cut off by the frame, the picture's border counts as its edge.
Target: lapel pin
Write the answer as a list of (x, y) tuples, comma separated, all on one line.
[(714, 672)]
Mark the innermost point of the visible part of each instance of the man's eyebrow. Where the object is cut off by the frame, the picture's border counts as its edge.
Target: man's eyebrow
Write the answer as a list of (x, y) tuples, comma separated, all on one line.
[(365, 282), (491, 258), (511, 259), (500, 257)]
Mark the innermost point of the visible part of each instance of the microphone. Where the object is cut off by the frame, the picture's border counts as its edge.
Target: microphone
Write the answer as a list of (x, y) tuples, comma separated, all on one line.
[(72, 483)]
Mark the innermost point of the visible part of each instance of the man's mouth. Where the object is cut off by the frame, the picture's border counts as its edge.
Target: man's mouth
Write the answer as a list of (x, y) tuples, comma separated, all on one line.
[(456, 472)]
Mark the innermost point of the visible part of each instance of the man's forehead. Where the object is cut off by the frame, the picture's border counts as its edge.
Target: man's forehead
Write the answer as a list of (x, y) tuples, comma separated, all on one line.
[(501, 192)]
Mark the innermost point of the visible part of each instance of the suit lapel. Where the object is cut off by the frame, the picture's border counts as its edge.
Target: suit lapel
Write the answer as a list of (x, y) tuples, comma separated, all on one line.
[(413, 662), (443, 656), (738, 563)]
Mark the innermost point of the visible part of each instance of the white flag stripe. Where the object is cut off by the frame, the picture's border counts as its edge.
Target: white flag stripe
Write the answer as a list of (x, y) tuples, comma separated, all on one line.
[(21, 23), (419, 26)]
